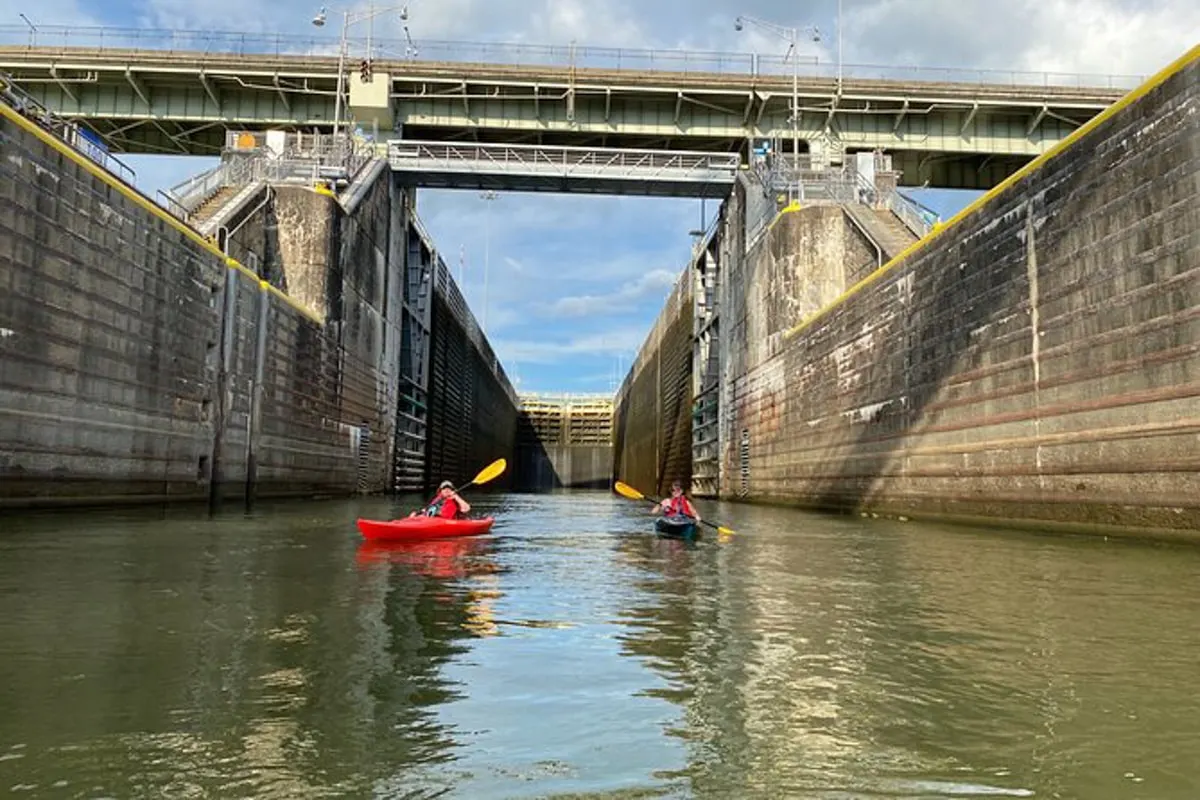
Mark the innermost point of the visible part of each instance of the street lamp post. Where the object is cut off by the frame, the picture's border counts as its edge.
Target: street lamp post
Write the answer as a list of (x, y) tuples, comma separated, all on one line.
[(488, 197), (348, 19), (792, 35), (32, 29), (839, 27)]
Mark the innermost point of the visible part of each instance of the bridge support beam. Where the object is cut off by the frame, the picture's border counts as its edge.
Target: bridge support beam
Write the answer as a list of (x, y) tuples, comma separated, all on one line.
[(138, 86), (210, 90), (63, 85)]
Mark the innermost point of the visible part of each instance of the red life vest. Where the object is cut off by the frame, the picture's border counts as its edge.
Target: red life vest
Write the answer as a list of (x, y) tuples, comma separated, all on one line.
[(446, 509), (679, 506)]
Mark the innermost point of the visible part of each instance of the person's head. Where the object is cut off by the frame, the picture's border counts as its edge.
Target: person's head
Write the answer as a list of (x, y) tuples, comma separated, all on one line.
[(446, 489), (676, 488)]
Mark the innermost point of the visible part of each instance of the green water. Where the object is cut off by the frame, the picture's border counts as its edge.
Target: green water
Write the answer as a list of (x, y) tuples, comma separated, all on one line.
[(149, 654)]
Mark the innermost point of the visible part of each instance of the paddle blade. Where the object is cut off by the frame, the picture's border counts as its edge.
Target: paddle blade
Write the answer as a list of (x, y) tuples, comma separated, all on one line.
[(491, 471), (625, 490), (724, 531)]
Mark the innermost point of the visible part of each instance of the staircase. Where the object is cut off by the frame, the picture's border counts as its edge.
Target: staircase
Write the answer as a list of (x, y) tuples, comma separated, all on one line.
[(212, 205), (883, 228)]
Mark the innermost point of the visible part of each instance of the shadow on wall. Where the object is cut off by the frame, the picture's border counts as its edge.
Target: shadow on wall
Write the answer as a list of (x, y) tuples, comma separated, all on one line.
[(545, 468), (253, 240), (652, 414), (921, 320), (1013, 343)]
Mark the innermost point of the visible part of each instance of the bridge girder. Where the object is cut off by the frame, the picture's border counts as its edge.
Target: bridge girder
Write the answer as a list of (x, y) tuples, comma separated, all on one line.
[(160, 102)]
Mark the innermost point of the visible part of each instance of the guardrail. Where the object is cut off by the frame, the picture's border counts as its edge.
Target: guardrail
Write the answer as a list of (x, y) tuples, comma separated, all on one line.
[(916, 217), (171, 205), (69, 132), (568, 161), (306, 158), (190, 193), (65, 38), (566, 398), (826, 184)]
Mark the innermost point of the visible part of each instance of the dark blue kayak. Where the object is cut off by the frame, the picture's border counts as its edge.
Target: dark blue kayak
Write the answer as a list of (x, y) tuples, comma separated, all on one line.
[(677, 526)]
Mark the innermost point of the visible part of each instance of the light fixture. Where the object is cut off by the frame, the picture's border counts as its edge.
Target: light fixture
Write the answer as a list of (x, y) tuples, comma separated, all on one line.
[(319, 19)]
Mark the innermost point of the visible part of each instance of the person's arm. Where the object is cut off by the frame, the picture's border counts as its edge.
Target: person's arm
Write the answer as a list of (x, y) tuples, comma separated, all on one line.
[(695, 513), (463, 505)]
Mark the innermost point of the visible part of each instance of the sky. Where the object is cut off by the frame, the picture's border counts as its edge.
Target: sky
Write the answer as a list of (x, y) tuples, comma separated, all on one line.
[(573, 282)]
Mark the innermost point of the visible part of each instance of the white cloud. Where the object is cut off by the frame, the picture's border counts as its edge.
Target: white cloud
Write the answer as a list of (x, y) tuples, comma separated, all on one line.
[(655, 282), (499, 317), (1078, 36), (620, 341)]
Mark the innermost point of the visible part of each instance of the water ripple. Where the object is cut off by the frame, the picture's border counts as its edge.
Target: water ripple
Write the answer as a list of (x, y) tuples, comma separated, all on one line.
[(572, 653)]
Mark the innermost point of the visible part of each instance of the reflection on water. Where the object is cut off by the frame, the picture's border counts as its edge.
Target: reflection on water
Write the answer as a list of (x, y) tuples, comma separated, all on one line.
[(151, 654)]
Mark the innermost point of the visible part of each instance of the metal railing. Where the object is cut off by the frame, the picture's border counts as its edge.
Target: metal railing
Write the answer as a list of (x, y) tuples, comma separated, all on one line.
[(70, 38), (334, 155), (304, 158), (190, 193), (814, 183), (173, 206), (916, 217), (566, 398), (67, 131), (568, 161)]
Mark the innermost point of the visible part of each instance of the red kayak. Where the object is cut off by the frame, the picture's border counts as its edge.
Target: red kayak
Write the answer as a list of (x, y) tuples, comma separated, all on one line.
[(423, 528)]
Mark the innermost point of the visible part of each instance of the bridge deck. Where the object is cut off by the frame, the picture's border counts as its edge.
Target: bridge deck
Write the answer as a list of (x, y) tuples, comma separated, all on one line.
[(297, 65), (948, 133)]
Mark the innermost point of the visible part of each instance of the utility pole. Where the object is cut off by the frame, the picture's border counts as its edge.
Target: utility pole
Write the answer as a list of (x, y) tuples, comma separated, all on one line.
[(348, 19), (32, 29), (792, 35), (839, 54), (488, 197)]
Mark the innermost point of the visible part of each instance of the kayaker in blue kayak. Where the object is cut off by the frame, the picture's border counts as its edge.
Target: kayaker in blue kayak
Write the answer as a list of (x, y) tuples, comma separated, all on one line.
[(677, 505), (447, 504)]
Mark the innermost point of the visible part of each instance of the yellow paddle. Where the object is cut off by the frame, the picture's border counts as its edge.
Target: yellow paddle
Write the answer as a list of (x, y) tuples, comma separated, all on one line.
[(625, 490), (488, 473)]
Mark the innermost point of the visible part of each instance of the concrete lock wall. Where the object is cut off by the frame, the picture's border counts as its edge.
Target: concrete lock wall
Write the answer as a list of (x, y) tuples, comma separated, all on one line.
[(473, 407), (1035, 360), (108, 324), (367, 271), (138, 363), (652, 420)]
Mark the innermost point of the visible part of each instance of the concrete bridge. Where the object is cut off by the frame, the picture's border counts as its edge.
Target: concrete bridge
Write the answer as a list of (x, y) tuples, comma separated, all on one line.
[(181, 92)]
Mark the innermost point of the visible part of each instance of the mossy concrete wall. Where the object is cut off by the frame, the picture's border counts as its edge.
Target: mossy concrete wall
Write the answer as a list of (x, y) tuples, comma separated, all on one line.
[(1037, 360)]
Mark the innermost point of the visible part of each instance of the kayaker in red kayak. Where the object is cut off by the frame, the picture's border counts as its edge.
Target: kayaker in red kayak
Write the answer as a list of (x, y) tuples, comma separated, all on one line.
[(447, 504), (677, 505)]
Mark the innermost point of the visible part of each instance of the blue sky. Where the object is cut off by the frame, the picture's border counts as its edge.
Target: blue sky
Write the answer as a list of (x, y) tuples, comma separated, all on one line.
[(575, 282)]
